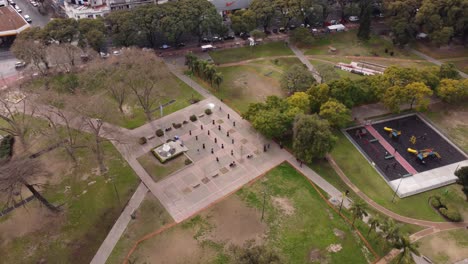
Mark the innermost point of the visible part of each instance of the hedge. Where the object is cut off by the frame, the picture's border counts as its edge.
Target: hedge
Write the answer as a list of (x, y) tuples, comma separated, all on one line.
[(193, 118), (451, 214), (142, 140), (6, 147), (159, 133), (208, 111)]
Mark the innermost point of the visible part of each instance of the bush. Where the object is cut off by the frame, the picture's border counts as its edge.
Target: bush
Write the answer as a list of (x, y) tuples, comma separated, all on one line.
[(193, 118), (176, 125), (159, 133), (188, 161), (6, 147), (142, 140), (185, 122), (302, 37), (208, 111), (451, 214), (435, 202)]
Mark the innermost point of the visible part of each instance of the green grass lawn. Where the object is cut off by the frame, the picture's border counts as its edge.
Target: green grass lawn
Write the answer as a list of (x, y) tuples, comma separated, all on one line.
[(347, 44), (251, 82), (340, 73), (89, 209), (159, 171), (150, 216), (247, 53), (312, 225)]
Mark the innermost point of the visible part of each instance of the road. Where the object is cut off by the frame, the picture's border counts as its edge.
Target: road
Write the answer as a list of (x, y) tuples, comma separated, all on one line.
[(7, 63), (38, 20)]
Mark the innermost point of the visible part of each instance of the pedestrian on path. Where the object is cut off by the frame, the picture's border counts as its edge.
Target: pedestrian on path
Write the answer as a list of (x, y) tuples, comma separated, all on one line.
[(227, 134), (232, 152), (212, 152), (222, 146), (217, 159), (234, 123), (212, 121), (232, 141), (216, 140), (196, 137), (201, 126), (203, 145), (208, 132), (190, 132)]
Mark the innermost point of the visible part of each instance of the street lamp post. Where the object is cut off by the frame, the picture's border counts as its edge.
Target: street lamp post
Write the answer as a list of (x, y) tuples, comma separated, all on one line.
[(398, 187)]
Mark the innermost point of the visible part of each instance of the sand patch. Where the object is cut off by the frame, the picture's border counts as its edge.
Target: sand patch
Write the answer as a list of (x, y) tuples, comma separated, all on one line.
[(25, 220), (234, 222), (333, 248), (446, 247), (284, 204)]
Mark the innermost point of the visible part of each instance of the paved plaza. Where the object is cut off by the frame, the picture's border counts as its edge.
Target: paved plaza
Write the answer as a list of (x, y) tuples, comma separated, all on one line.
[(215, 143)]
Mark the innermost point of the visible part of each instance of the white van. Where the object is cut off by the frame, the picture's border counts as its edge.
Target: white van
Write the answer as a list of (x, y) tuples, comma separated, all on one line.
[(207, 48)]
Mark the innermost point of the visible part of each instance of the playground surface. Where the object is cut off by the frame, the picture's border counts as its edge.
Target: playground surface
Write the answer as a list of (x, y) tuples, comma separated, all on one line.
[(416, 159)]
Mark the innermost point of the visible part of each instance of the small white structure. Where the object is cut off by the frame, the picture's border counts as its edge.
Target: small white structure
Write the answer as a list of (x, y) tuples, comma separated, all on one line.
[(251, 41), (362, 68), (169, 150), (337, 28)]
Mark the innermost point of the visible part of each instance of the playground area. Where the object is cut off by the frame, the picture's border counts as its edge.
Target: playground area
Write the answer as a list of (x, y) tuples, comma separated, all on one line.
[(409, 153)]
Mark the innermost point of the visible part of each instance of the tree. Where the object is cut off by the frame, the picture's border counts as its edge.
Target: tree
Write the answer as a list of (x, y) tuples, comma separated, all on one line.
[(346, 91), (442, 36), (256, 255), (418, 93), (257, 34), (264, 11), (312, 137), (327, 72), (299, 100), (462, 174), (318, 94), (335, 112), (301, 37), (449, 71), (92, 33), (16, 119), (122, 24), (218, 79), (297, 79), (29, 47), (18, 172), (117, 88), (374, 222), (243, 21), (358, 209), (453, 91), (61, 30), (203, 17), (407, 247), (365, 19), (391, 230)]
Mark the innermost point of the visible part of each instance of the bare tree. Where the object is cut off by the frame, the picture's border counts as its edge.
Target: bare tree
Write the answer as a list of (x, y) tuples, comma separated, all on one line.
[(19, 172), (116, 86), (18, 124), (32, 51), (64, 130)]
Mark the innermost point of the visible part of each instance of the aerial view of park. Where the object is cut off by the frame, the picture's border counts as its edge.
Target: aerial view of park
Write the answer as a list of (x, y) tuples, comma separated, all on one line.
[(243, 132)]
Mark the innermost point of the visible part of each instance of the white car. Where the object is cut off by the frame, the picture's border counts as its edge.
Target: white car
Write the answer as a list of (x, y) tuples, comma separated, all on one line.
[(27, 18), (18, 9), (34, 3), (20, 64), (353, 18)]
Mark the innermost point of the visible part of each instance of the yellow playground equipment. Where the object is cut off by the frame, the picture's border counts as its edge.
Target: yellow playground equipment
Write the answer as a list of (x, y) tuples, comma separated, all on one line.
[(393, 133), (424, 153)]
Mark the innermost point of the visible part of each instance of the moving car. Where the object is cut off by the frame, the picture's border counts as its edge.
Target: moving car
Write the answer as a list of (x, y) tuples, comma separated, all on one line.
[(353, 18), (27, 18), (163, 47), (20, 64)]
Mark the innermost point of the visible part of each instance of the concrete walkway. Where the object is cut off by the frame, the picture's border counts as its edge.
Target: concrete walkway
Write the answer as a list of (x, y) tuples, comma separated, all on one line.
[(300, 55), (436, 62), (120, 225)]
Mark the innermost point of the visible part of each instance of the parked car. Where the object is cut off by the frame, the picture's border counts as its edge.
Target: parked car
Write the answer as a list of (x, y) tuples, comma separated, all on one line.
[(228, 37), (205, 40), (353, 19), (20, 64), (216, 39), (18, 9), (27, 18), (104, 54), (244, 35), (11, 2), (275, 30), (292, 27), (163, 47), (34, 3), (116, 52), (180, 45), (282, 29)]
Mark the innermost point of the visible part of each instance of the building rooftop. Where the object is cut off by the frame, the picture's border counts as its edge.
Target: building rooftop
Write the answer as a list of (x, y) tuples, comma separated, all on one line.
[(11, 23)]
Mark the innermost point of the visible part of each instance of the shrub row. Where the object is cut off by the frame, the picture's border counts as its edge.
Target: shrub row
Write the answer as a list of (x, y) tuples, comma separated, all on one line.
[(447, 211)]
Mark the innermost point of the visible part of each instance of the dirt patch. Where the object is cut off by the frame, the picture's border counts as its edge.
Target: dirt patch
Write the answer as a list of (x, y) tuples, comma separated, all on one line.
[(26, 220), (263, 86), (316, 255), (339, 233), (174, 246), (234, 222), (284, 204), (446, 247), (334, 248)]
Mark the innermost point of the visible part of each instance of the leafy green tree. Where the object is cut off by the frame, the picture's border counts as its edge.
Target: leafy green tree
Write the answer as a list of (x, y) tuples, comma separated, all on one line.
[(257, 34), (299, 100), (318, 94), (297, 79), (301, 37), (327, 72), (391, 230), (345, 91), (312, 137), (407, 247), (442, 36), (449, 71), (462, 174), (264, 11), (61, 30), (358, 210), (453, 91), (335, 112), (122, 24), (203, 17), (243, 21), (365, 19), (92, 33), (218, 79), (418, 93), (401, 15)]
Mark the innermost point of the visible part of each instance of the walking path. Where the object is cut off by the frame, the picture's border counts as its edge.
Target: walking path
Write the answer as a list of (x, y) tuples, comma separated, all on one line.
[(120, 225), (391, 150), (436, 62), (300, 55)]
